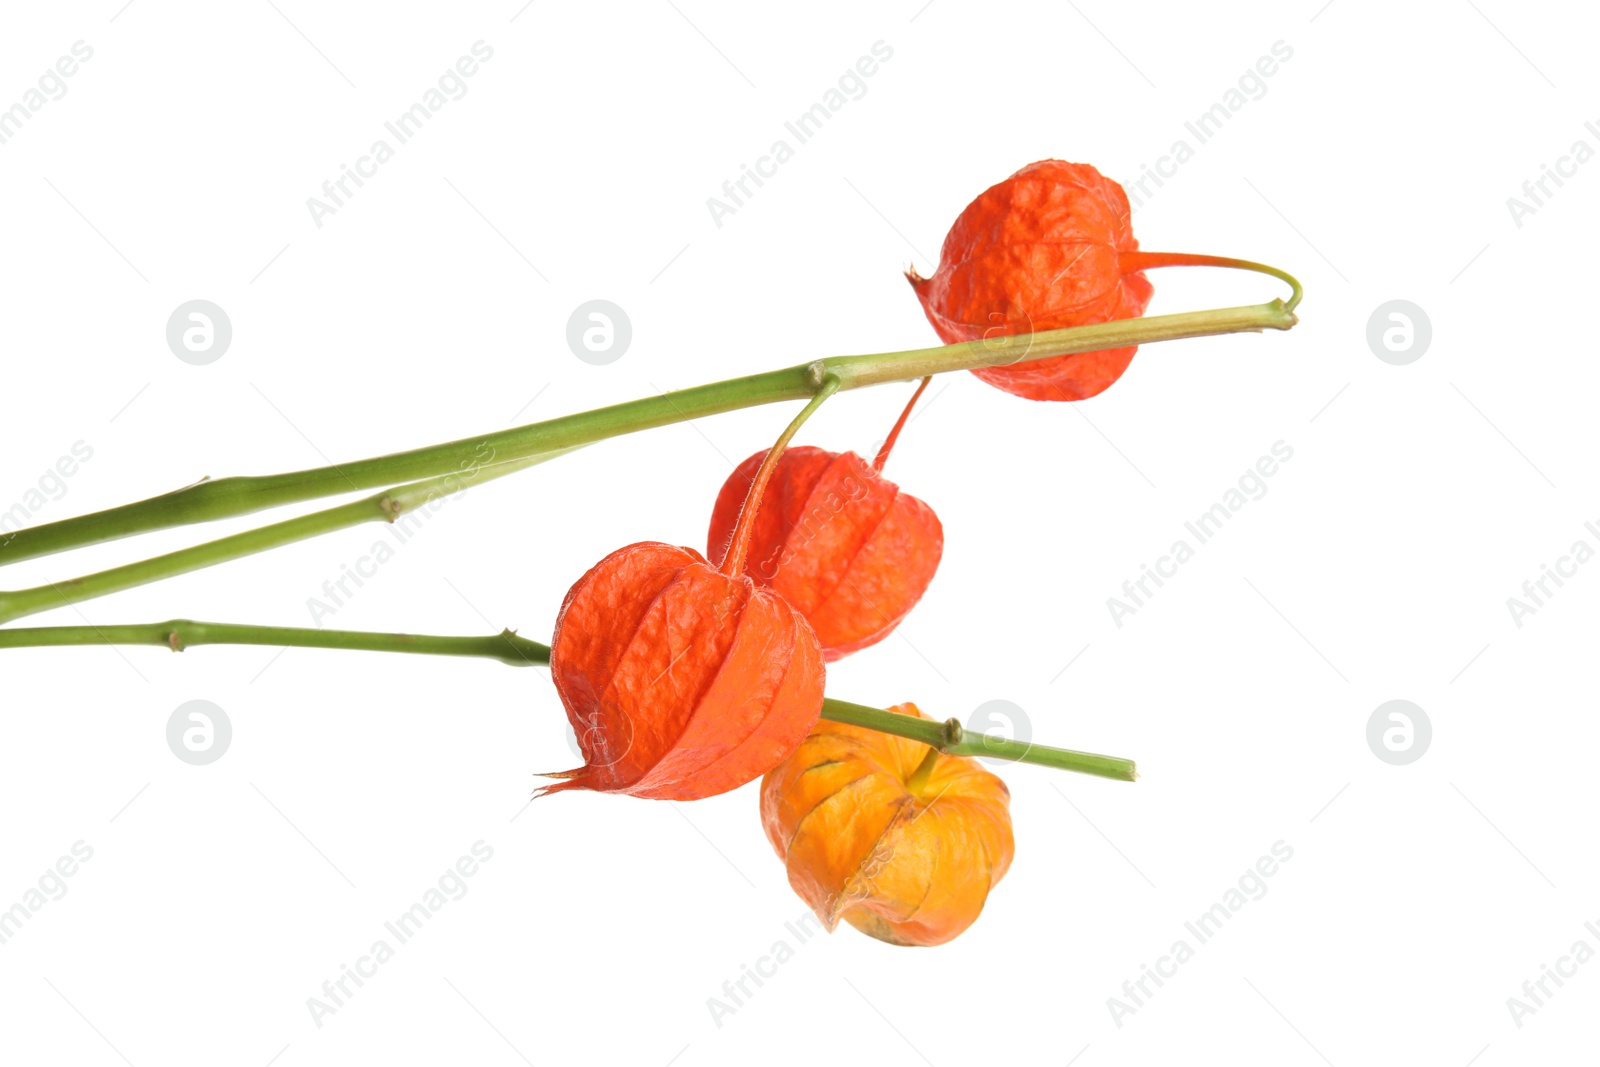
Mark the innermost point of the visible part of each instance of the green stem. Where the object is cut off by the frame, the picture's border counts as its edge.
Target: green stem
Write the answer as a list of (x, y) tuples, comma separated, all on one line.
[(179, 634), (924, 770), (950, 738), (739, 543), (507, 647), (1132, 261), (223, 498), (387, 506)]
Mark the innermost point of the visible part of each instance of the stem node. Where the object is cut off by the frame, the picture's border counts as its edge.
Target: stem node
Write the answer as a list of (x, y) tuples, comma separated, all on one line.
[(953, 734), (212, 499), (947, 737)]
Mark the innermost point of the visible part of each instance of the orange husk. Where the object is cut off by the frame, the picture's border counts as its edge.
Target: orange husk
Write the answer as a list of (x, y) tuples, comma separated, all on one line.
[(680, 681), (843, 544), (1040, 251), (907, 864)]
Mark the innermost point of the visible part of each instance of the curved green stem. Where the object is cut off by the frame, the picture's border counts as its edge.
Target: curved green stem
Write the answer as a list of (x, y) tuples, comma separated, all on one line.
[(508, 647), (224, 498), (1132, 261), (387, 506), (924, 770), (739, 543)]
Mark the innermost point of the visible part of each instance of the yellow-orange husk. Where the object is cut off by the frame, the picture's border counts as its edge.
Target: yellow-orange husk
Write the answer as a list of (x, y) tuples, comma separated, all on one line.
[(907, 864)]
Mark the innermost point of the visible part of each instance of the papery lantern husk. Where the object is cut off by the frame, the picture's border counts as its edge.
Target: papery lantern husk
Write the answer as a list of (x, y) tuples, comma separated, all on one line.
[(845, 546), (910, 865), (1039, 251), (680, 682)]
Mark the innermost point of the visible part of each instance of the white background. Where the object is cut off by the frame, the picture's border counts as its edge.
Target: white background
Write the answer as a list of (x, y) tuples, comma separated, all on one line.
[(433, 305)]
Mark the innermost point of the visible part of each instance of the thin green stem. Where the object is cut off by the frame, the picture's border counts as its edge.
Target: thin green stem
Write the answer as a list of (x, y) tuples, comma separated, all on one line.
[(739, 544), (924, 770), (387, 506), (179, 634), (1132, 261), (507, 647), (223, 498), (950, 738)]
